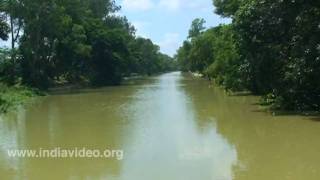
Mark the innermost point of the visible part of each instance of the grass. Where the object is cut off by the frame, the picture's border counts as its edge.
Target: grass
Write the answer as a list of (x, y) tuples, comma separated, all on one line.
[(12, 97)]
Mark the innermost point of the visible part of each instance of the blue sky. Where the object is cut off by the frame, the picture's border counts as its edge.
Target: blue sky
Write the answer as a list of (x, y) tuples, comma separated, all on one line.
[(167, 22)]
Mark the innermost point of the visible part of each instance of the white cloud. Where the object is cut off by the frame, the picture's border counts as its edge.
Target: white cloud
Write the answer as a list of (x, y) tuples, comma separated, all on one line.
[(170, 4), (137, 5), (174, 5), (170, 43)]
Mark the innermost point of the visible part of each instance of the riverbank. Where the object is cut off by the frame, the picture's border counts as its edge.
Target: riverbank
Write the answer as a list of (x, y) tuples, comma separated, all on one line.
[(12, 97), (266, 103)]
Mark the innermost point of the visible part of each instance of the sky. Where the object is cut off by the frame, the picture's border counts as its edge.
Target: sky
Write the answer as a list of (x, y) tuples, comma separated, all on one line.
[(167, 22)]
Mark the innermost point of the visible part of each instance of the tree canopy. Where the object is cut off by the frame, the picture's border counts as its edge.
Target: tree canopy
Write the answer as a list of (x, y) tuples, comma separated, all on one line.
[(271, 48), (75, 41)]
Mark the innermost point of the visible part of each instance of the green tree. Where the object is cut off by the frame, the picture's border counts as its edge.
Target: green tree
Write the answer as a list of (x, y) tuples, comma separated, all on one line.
[(226, 68), (197, 27), (227, 8), (271, 49), (183, 56), (278, 43), (4, 27)]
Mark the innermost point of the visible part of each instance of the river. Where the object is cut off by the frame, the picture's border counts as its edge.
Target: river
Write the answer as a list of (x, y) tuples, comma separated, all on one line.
[(170, 127)]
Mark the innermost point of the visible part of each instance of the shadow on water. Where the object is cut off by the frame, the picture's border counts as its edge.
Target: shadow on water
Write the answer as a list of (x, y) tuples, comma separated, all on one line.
[(313, 116), (260, 108), (241, 94), (129, 83), (316, 119)]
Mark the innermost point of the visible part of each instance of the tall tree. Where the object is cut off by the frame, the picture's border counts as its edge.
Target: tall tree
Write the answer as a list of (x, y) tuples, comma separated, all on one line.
[(197, 27), (227, 8)]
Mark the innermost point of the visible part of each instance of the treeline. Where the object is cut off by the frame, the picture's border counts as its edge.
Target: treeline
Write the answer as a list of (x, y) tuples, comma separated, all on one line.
[(271, 48), (72, 41)]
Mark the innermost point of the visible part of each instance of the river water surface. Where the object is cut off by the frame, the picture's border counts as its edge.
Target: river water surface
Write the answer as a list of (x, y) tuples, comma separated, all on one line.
[(170, 127)]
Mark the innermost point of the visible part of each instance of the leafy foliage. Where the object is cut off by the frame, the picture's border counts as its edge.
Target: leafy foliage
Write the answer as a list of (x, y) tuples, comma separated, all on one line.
[(77, 41), (197, 27), (272, 48), (4, 27)]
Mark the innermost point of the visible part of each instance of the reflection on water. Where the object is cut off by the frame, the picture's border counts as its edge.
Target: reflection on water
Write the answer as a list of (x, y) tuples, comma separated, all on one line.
[(165, 142), (171, 127)]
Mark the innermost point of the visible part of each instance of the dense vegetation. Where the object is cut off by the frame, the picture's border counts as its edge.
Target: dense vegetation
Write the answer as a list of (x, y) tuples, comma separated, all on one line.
[(57, 41), (12, 96), (271, 48)]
